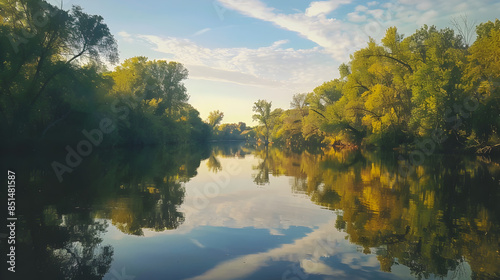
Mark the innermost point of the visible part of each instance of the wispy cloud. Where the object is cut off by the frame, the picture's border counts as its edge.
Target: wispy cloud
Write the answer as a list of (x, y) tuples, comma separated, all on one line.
[(335, 36), (281, 65), (204, 30), (125, 36), (268, 66), (324, 7), (355, 17), (341, 36)]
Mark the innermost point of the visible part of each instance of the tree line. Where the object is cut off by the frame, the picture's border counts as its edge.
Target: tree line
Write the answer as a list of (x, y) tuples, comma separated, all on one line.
[(430, 87)]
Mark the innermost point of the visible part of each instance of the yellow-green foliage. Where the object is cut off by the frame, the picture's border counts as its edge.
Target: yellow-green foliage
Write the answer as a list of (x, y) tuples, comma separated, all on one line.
[(406, 88)]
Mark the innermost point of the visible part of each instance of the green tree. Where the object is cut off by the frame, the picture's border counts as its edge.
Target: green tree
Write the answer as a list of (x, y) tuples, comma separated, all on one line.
[(438, 56), (42, 35), (215, 118), (481, 80), (157, 100), (263, 115), (164, 81), (156, 83), (41, 43)]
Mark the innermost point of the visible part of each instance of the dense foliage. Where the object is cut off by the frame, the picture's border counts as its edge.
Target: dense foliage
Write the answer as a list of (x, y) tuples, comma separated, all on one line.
[(53, 84), (430, 86)]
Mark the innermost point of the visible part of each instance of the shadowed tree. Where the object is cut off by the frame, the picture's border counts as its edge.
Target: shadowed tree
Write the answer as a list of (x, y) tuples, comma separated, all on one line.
[(40, 47)]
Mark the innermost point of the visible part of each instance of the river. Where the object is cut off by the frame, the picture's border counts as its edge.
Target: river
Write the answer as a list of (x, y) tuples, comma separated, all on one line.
[(237, 211)]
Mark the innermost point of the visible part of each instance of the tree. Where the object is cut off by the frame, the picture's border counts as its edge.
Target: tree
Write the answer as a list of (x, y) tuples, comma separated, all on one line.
[(263, 116), (299, 103), (481, 80), (215, 118), (158, 81), (41, 45), (164, 80)]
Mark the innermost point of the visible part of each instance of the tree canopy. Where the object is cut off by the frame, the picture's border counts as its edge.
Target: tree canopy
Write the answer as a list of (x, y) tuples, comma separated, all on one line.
[(54, 83), (401, 91)]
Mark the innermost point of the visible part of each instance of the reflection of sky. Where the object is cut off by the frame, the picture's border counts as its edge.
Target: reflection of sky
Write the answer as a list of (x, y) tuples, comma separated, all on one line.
[(246, 232)]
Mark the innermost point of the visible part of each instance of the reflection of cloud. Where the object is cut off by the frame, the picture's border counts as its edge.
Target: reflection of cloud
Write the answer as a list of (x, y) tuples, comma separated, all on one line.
[(356, 262), (197, 243), (274, 231), (317, 267), (240, 204), (270, 210), (323, 242)]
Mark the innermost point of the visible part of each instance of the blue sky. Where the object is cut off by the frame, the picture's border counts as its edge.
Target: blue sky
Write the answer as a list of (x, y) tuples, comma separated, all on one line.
[(240, 51)]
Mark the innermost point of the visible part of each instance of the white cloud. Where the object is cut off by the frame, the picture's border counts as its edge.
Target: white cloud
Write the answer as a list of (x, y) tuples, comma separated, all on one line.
[(409, 15), (376, 13), (428, 16), (199, 32), (356, 17), (340, 37), (211, 74), (268, 66), (277, 66), (125, 36), (335, 36), (361, 8), (324, 7)]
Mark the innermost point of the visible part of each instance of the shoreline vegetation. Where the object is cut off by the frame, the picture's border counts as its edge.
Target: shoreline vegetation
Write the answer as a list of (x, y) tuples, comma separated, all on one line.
[(432, 90)]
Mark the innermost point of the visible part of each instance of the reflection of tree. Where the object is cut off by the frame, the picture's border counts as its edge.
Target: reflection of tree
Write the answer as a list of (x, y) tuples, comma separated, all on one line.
[(213, 164), (432, 221), (262, 176), (154, 207), (63, 247), (82, 257), (153, 189), (135, 190), (230, 149)]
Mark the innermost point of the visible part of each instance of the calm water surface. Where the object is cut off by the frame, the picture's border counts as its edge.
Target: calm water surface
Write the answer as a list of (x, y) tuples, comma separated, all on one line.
[(241, 212)]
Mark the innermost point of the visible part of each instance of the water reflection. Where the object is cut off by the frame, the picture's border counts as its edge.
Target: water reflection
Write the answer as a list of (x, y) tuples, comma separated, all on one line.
[(431, 221), (61, 224), (284, 215)]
